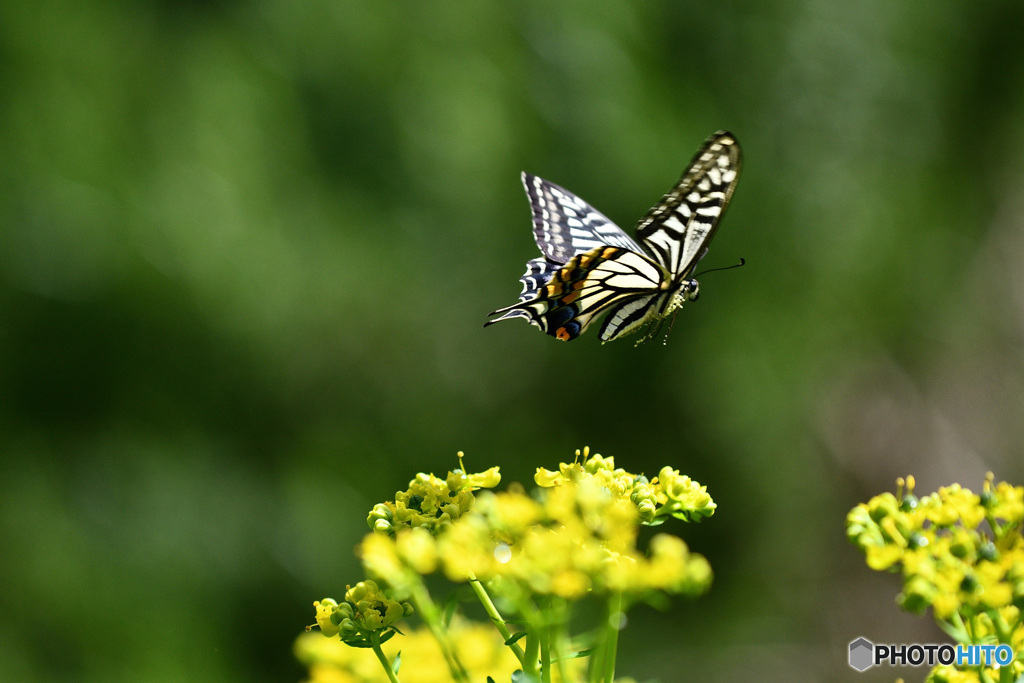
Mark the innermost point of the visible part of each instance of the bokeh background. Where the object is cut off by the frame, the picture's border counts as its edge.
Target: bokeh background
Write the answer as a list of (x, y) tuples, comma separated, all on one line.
[(246, 250)]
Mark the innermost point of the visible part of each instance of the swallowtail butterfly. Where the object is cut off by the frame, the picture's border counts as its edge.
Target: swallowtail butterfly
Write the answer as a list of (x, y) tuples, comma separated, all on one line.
[(590, 266)]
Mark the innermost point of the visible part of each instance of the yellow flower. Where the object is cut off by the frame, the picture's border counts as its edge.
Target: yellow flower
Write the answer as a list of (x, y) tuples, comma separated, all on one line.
[(685, 494), (430, 502), (574, 537), (324, 610), (487, 479), (373, 609), (578, 536), (881, 557), (993, 591), (971, 574), (418, 548), (953, 504), (950, 674), (1008, 503), (547, 478), (381, 560)]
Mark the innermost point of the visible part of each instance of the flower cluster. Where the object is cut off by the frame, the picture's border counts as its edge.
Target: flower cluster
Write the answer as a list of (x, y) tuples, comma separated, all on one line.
[(431, 503), (533, 555), (669, 494), (366, 612), (960, 553), (577, 535)]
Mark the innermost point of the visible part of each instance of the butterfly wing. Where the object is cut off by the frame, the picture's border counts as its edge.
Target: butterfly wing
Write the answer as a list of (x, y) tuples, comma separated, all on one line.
[(632, 314), (564, 225), (538, 272), (677, 230), (588, 285)]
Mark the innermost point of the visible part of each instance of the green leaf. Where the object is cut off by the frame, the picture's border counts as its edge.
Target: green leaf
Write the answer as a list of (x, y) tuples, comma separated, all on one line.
[(516, 637), (449, 610)]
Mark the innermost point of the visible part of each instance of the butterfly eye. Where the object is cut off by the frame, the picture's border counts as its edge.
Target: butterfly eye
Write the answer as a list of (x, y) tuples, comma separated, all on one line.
[(692, 288)]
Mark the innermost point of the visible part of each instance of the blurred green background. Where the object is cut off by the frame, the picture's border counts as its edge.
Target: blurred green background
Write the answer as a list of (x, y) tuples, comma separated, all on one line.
[(246, 250)]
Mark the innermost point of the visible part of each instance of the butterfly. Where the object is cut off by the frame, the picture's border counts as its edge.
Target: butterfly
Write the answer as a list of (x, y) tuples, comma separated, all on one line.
[(591, 267)]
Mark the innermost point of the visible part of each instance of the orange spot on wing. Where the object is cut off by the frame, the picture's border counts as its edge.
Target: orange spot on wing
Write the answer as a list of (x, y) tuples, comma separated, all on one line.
[(562, 334)]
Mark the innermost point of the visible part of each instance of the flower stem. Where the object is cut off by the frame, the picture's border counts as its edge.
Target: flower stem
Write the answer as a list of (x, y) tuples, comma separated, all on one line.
[(535, 639), (560, 620), (531, 665), (382, 658), (611, 640), (499, 622), (1004, 635), (432, 618)]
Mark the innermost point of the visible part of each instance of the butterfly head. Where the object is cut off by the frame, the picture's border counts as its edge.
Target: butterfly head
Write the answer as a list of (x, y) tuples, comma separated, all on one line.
[(689, 291)]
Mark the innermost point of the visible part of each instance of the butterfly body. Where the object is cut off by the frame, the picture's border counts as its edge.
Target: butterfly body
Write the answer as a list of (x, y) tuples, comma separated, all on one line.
[(590, 267)]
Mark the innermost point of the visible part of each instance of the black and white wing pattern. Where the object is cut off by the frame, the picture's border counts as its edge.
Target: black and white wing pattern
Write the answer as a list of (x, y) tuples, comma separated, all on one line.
[(590, 266), (677, 230), (564, 225)]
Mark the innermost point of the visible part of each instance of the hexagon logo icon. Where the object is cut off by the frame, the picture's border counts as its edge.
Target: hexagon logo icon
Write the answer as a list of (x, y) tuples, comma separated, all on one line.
[(862, 654)]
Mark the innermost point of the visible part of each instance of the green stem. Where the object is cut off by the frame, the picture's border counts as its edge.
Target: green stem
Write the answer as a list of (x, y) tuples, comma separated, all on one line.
[(560, 617), (530, 666), (1004, 635), (375, 642), (611, 644), (535, 638), (1003, 632), (499, 622), (545, 654), (595, 668), (954, 627), (596, 664), (432, 618)]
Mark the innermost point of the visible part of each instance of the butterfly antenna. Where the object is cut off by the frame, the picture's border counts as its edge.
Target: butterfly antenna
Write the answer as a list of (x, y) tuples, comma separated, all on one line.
[(711, 270)]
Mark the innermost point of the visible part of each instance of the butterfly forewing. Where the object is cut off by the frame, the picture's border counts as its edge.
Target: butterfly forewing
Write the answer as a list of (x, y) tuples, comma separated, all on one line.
[(677, 230)]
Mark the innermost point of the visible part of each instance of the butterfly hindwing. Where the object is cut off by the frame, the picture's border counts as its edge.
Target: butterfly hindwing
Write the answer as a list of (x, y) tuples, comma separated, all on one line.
[(631, 315), (538, 273), (585, 287), (677, 230)]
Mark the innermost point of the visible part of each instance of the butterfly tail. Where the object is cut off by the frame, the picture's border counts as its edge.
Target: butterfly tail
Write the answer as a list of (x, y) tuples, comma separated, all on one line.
[(538, 273)]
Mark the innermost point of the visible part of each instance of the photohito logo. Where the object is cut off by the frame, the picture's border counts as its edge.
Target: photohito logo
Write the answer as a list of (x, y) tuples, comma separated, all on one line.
[(864, 654)]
